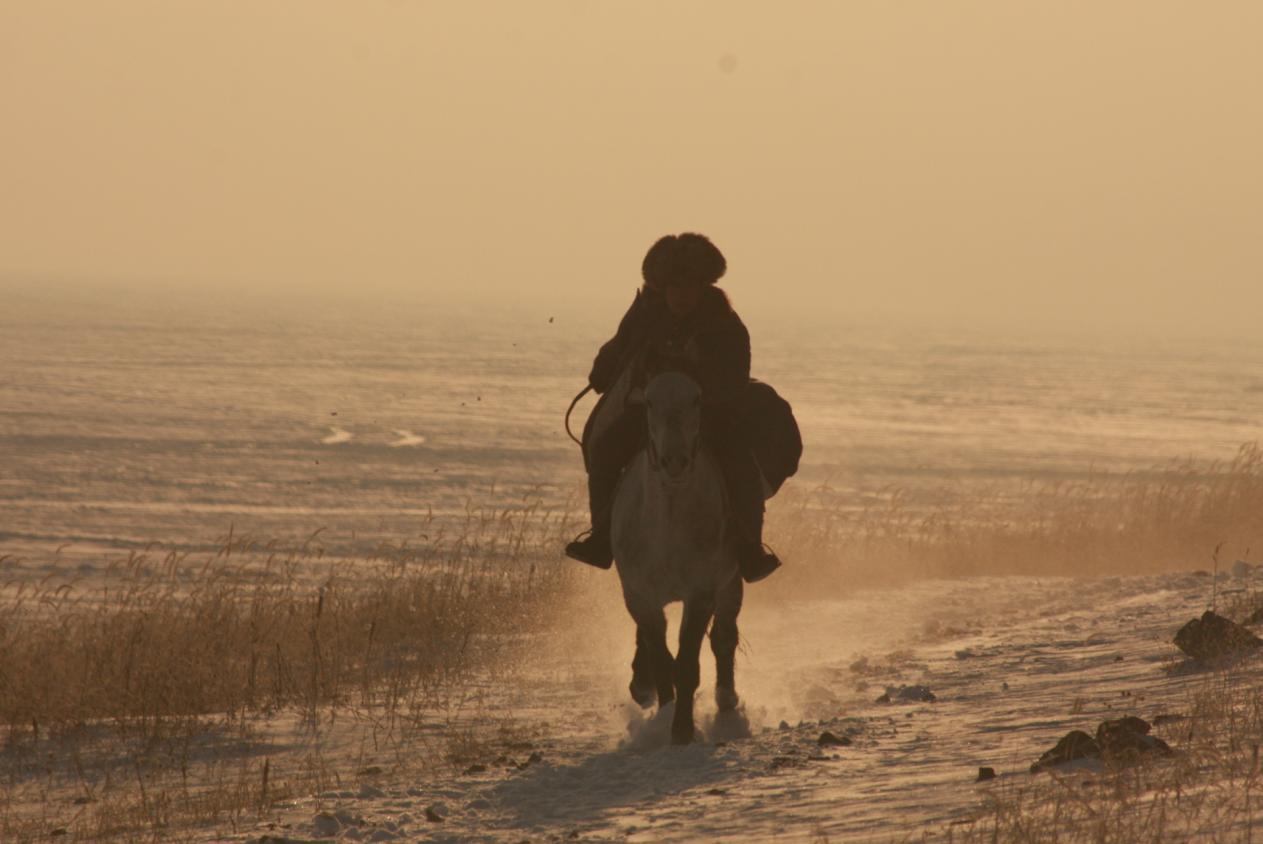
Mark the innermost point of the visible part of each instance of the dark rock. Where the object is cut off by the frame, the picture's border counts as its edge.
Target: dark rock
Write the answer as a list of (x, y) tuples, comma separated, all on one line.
[(533, 759), (828, 739), (1126, 739), (907, 694), (476, 769), (1126, 724), (1212, 636), (1076, 744), (985, 774), (326, 825), (432, 814), (371, 771), (1256, 617)]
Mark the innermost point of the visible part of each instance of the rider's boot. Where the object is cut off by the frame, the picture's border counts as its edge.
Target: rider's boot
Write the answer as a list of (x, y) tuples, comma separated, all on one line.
[(611, 451), (755, 561), (745, 488), (592, 548)]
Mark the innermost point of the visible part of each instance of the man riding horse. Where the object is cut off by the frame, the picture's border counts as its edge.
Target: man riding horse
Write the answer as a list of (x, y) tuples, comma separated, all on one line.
[(679, 321)]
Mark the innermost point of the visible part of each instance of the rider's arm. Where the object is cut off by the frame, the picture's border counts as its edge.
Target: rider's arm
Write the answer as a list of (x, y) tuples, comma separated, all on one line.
[(613, 356), (722, 363)]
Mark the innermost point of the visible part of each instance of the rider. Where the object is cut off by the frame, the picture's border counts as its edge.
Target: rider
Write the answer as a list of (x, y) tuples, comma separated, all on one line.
[(679, 321)]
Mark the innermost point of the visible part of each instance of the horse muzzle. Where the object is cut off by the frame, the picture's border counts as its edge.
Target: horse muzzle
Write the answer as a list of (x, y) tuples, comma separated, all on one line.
[(675, 465)]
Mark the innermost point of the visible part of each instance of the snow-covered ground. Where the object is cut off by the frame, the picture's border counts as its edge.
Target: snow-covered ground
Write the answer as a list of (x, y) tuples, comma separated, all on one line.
[(1014, 663)]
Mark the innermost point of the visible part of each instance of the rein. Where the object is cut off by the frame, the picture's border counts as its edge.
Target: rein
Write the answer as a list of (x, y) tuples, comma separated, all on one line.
[(570, 410), (653, 451)]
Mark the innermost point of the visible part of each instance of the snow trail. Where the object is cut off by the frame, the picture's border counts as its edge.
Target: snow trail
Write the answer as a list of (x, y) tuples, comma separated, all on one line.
[(1013, 662)]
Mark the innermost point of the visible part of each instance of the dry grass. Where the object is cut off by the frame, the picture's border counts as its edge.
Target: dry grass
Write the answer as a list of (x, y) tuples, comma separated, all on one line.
[(1210, 790), (141, 702), (139, 692), (1141, 522)]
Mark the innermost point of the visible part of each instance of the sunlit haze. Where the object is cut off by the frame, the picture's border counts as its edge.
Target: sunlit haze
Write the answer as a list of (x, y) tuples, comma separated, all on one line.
[(319, 520), (971, 162)]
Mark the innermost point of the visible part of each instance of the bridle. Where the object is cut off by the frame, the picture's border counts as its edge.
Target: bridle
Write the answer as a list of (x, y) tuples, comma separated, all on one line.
[(655, 462)]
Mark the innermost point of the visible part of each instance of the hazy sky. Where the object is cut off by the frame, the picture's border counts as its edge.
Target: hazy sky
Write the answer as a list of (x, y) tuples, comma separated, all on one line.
[(1063, 160)]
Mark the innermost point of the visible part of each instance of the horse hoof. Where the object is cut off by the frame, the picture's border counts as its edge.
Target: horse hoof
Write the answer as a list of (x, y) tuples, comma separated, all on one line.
[(681, 736), (726, 699), (645, 696)]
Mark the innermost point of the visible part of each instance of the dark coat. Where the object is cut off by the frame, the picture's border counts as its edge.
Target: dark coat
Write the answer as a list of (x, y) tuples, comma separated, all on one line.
[(711, 344)]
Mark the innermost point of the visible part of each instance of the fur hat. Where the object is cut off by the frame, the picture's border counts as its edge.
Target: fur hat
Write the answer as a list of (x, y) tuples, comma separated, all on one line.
[(686, 256)]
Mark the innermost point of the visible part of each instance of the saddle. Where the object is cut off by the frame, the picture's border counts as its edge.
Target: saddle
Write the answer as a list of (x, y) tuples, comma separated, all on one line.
[(765, 422)]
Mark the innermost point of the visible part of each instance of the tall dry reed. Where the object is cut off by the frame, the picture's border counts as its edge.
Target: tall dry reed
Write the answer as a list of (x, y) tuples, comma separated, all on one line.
[(1171, 517), (136, 701), (258, 627)]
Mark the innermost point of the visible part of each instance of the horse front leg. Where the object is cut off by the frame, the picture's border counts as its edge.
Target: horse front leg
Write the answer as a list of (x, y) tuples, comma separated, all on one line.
[(723, 644), (652, 670), (642, 687), (697, 614)]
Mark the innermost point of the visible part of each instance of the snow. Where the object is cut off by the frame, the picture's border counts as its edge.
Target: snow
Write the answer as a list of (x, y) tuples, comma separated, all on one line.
[(1014, 664)]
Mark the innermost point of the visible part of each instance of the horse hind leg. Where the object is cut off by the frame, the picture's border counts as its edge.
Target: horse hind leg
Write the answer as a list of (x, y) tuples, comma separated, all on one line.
[(697, 615), (723, 644)]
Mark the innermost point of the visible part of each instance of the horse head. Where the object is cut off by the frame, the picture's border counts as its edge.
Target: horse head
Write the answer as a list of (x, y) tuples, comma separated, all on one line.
[(673, 402)]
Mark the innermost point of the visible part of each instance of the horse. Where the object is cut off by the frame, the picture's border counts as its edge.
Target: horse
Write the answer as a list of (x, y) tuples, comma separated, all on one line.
[(671, 541)]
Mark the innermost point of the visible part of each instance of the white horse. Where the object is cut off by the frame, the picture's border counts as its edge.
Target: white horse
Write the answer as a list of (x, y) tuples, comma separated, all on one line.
[(671, 542)]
